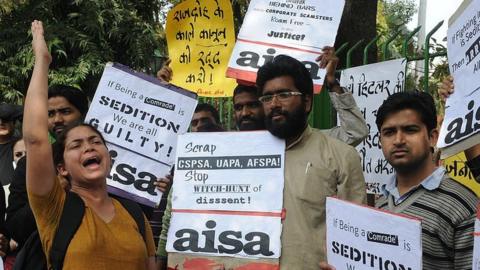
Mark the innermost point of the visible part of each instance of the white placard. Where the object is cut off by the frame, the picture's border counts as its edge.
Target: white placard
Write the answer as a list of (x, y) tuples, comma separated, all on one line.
[(476, 246), (252, 236), (296, 28), (370, 86), (231, 185), (140, 119), (360, 237), (462, 109), (234, 171), (307, 24)]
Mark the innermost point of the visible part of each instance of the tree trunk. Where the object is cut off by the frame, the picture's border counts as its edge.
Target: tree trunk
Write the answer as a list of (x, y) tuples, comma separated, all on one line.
[(358, 22)]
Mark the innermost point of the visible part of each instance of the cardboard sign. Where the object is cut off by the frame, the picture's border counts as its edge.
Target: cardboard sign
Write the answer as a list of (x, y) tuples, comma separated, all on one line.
[(296, 28), (200, 38), (459, 171), (360, 237), (236, 235), (370, 86), (227, 195), (140, 119), (462, 109)]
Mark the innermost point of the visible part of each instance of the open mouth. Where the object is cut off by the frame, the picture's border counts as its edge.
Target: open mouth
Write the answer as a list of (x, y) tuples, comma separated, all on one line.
[(93, 161)]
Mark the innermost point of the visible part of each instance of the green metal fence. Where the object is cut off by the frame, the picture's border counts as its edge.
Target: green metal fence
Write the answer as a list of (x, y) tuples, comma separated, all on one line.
[(323, 115)]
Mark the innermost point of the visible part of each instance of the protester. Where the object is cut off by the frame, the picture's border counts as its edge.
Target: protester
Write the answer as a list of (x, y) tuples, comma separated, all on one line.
[(66, 105), (445, 89), (353, 129), (248, 111), (107, 238), (204, 114), (18, 151), (407, 124), (316, 165), (249, 115), (9, 113)]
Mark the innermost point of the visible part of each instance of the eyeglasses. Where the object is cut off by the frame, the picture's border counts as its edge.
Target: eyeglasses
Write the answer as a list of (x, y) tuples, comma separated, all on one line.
[(282, 96)]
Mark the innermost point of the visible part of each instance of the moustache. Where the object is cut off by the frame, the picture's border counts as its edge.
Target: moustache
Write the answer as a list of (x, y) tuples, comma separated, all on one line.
[(277, 111), (401, 149), (57, 128), (247, 118)]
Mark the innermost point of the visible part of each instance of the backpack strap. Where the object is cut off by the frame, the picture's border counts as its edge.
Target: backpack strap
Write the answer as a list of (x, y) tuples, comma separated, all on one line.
[(72, 215), (136, 212)]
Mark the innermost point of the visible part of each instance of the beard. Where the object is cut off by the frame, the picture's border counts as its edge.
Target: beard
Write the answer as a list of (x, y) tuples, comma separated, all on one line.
[(253, 123), (293, 124)]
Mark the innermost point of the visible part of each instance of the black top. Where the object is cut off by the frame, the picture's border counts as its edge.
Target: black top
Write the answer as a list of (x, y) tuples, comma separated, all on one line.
[(20, 222), (6, 162)]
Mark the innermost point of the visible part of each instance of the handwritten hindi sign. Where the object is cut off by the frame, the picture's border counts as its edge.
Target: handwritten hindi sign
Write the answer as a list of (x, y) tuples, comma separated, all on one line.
[(476, 244), (227, 195), (462, 109), (140, 119), (200, 38), (360, 237), (370, 86), (296, 28), (457, 169)]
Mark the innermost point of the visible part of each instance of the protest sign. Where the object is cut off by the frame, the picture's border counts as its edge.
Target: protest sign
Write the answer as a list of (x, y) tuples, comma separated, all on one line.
[(140, 119), (360, 237), (255, 236), (296, 28), (213, 174), (457, 169), (462, 108), (231, 185), (200, 38), (370, 86), (476, 244)]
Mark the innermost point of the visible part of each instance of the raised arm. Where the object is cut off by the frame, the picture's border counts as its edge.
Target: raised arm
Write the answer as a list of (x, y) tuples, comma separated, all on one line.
[(353, 127), (40, 168)]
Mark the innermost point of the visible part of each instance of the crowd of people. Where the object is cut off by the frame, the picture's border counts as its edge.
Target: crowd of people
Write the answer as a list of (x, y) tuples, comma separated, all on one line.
[(54, 170)]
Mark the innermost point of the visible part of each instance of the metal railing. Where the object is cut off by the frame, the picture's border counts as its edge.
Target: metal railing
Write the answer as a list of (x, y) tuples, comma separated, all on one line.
[(323, 115)]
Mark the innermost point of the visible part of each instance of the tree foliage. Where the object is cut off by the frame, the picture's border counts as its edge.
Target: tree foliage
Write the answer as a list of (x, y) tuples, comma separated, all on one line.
[(393, 16), (82, 36)]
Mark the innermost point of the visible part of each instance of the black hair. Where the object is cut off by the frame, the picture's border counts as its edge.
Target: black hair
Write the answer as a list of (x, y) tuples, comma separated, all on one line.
[(59, 146), (15, 140), (251, 89), (74, 96), (205, 107), (283, 65), (210, 127), (420, 102)]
